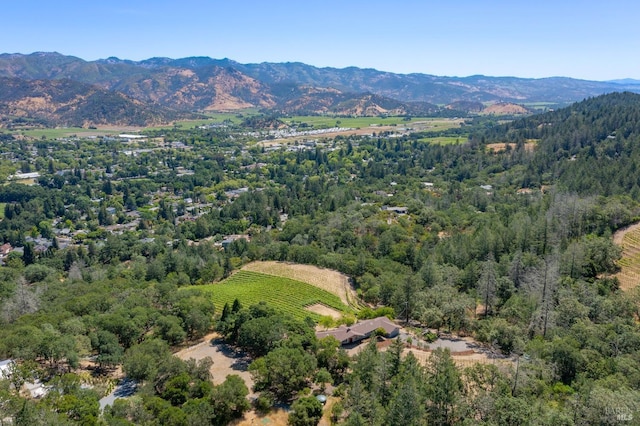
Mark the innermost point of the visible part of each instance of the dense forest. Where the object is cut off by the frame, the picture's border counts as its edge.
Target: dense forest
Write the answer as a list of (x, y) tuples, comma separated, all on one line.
[(505, 237)]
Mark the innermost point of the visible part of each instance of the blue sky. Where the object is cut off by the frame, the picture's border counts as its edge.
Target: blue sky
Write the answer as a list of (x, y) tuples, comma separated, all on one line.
[(587, 39)]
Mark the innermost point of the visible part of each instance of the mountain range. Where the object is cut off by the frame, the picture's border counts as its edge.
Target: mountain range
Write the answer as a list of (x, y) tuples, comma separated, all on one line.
[(59, 89)]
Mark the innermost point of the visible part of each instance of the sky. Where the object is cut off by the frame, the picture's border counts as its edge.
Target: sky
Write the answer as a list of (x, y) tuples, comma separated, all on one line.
[(586, 39)]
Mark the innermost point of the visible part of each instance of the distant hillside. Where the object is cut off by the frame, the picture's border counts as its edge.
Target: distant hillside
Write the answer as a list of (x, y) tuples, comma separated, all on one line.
[(433, 89), (66, 102), (505, 108), (466, 106), (331, 101), (206, 84), (626, 81), (592, 147)]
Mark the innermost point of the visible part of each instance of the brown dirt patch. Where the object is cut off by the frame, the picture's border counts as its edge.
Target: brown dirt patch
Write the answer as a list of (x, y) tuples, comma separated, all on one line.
[(226, 360), (620, 233), (501, 146), (327, 279), (275, 417), (324, 310), (504, 109), (461, 360)]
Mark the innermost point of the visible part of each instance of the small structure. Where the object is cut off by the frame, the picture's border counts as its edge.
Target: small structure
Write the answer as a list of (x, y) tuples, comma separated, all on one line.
[(235, 193), (5, 249), (24, 176), (400, 210), (361, 330), (229, 239), (5, 366), (129, 136)]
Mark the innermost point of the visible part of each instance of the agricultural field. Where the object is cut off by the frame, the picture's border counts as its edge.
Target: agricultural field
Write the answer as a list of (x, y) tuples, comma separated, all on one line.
[(287, 295), (325, 279), (323, 122), (212, 118), (629, 240), (542, 106), (65, 132)]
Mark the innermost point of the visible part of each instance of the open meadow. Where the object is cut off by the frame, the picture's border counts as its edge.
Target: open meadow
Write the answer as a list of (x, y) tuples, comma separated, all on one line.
[(210, 118), (65, 132)]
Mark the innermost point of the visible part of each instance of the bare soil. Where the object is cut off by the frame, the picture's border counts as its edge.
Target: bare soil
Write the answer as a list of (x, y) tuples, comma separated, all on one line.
[(504, 109), (620, 233), (226, 360), (461, 360), (275, 417), (500, 147), (326, 279), (324, 310)]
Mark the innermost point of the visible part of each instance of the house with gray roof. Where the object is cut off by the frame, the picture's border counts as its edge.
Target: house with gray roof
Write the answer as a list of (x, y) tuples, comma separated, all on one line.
[(361, 330)]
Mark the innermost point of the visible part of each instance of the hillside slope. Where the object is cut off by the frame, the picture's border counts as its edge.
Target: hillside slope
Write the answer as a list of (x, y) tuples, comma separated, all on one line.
[(591, 147), (69, 103)]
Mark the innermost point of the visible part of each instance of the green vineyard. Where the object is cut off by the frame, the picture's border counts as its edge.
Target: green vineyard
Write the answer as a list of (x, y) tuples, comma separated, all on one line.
[(284, 294)]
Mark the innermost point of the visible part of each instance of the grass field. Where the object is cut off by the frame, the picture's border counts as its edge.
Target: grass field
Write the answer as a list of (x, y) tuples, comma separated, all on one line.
[(284, 294), (444, 140), (213, 117), (67, 132)]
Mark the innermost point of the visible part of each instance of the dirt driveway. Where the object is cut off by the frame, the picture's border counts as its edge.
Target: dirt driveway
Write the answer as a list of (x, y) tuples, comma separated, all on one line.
[(226, 360)]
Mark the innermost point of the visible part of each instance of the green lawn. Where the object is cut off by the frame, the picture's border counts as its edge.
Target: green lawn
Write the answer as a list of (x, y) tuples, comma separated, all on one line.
[(444, 140), (284, 294)]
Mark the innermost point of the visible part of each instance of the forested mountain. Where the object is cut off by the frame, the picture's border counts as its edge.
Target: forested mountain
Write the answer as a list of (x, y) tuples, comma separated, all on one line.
[(591, 147), (202, 83)]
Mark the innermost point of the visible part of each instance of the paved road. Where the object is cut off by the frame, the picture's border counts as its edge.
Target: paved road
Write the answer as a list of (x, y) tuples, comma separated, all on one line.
[(124, 389)]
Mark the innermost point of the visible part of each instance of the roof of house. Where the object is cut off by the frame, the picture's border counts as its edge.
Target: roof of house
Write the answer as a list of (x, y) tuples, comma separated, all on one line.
[(342, 333), (367, 326), (360, 329)]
